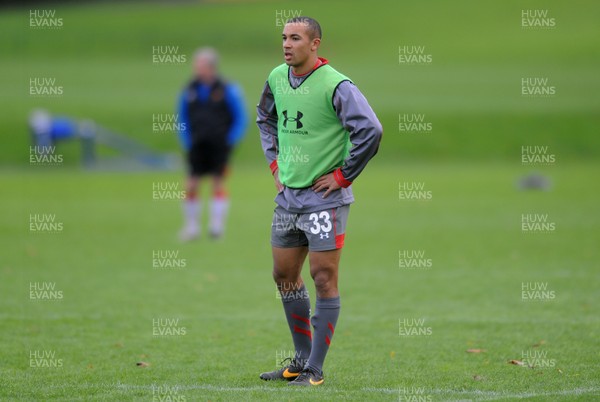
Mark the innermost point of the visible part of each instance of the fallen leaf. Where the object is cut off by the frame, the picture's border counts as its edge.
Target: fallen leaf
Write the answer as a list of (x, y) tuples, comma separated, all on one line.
[(476, 350), (516, 362), (537, 345), (32, 251), (142, 364)]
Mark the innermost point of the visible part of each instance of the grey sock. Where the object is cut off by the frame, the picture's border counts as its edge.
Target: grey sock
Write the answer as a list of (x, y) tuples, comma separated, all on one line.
[(296, 305), (323, 321)]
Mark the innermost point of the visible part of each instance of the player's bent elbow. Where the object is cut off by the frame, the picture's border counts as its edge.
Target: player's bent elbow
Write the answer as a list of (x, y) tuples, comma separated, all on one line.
[(378, 132)]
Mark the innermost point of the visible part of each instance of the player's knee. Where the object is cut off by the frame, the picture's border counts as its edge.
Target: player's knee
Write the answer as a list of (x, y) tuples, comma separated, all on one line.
[(282, 276), (323, 279), (191, 194), (277, 275), (191, 191)]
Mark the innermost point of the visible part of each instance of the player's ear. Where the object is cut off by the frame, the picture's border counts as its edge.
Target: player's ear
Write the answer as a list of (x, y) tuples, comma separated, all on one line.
[(315, 44)]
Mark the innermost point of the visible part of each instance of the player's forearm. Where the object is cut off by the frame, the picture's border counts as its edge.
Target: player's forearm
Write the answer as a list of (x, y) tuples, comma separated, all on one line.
[(365, 130), (269, 143), (361, 152), (266, 120)]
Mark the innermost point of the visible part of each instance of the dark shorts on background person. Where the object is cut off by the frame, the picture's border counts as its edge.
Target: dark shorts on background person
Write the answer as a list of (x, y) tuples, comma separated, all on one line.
[(208, 158)]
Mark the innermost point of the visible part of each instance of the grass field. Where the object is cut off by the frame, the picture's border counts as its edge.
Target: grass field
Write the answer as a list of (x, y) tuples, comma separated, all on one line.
[(81, 302), (470, 297)]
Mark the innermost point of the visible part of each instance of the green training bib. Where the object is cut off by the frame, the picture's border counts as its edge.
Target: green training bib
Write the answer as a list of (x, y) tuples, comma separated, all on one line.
[(312, 141)]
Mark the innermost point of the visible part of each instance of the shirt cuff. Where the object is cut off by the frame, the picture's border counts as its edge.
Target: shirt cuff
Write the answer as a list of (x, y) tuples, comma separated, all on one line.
[(339, 178), (273, 166)]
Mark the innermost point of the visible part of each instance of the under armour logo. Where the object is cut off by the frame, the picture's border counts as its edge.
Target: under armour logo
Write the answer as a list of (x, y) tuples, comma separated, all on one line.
[(324, 235), (294, 119)]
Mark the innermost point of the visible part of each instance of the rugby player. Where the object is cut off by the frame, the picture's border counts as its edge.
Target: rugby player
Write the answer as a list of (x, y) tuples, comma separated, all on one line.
[(318, 133)]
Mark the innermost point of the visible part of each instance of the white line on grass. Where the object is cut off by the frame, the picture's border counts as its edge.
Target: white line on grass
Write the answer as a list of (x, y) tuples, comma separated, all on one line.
[(496, 395), (210, 387), (480, 395)]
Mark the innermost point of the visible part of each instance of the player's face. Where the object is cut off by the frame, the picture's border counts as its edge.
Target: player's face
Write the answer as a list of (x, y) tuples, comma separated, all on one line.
[(297, 45), (204, 69)]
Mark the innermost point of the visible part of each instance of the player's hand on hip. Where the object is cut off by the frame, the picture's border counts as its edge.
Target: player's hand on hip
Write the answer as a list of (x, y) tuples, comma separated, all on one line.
[(326, 182)]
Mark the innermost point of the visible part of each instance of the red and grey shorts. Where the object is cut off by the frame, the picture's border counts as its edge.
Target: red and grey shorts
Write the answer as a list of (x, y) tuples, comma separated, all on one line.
[(320, 231)]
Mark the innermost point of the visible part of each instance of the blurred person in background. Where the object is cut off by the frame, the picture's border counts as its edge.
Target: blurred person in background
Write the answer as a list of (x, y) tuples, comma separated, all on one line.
[(214, 121), (46, 129)]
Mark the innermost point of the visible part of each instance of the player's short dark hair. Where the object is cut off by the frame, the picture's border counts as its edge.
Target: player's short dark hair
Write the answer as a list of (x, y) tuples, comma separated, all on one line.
[(313, 27)]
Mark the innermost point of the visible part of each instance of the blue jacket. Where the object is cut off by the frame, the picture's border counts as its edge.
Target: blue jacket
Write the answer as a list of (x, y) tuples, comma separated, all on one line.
[(235, 103)]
